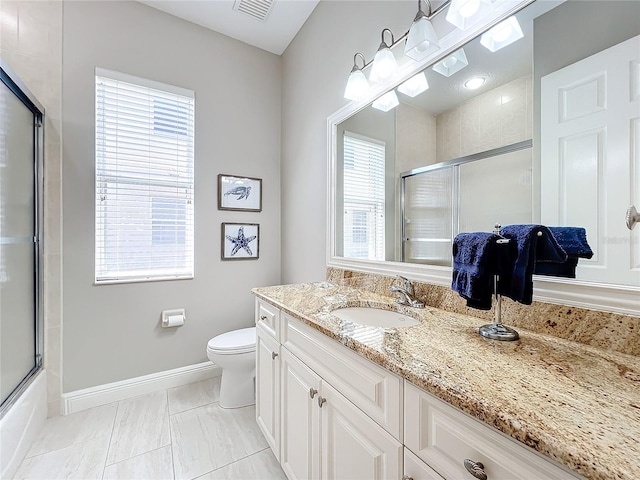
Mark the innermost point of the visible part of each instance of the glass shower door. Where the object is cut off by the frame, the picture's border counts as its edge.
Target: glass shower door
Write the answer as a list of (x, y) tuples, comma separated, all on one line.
[(18, 246)]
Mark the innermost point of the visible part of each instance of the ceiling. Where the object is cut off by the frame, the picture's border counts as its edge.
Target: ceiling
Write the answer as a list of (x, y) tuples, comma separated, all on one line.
[(266, 24)]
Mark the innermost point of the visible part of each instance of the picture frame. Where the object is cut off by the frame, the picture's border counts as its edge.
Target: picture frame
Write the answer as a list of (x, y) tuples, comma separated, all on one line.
[(240, 241), (239, 193)]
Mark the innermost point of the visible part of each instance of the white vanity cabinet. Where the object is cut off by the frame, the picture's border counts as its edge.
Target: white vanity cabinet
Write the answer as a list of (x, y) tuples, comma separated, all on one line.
[(323, 432), (329, 413)]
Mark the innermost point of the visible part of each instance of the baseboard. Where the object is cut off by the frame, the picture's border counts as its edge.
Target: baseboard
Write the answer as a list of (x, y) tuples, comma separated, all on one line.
[(114, 392)]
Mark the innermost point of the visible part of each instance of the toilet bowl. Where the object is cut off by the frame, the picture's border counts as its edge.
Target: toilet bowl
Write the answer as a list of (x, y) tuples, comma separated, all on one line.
[(235, 353)]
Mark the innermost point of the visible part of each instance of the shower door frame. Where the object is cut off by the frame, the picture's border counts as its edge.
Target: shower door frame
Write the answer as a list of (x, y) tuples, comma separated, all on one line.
[(20, 90)]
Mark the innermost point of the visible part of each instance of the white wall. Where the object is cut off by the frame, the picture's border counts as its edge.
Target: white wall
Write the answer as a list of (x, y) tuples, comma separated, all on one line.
[(112, 332), (315, 68)]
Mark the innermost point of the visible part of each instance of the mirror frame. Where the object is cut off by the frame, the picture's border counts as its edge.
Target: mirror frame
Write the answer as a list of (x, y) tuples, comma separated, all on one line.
[(597, 296)]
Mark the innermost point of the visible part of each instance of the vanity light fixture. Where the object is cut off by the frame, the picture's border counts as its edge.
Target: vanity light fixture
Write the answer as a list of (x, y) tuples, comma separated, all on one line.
[(474, 83), (452, 64), (386, 102), (415, 85), (422, 40), (384, 63), (503, 34), (357, 84), (465, 13)]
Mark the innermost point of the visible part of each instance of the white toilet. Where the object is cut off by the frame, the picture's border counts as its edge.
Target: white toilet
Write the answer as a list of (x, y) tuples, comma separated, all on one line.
[(235, 353)]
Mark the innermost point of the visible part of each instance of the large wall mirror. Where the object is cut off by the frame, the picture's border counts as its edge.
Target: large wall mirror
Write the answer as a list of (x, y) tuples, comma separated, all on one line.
[(545, 130)]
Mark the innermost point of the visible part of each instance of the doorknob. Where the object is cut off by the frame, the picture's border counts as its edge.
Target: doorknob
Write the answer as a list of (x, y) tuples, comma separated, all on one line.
[(632, 217)]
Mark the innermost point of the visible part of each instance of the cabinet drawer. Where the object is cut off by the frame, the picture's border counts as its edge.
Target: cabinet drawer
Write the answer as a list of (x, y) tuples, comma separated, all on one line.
[(268, 317), (444, 437), (416, 469), (371, 388)]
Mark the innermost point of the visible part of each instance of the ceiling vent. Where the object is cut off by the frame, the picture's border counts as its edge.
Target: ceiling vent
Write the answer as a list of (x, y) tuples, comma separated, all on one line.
[(258, 9)]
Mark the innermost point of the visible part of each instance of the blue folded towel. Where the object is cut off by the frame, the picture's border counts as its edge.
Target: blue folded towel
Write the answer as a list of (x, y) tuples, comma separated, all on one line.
[(573, 241), (526, 248), (475, 261)]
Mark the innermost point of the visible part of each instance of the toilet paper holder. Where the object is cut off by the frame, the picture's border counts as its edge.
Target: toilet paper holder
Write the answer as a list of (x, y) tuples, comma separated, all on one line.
[(173, 318)]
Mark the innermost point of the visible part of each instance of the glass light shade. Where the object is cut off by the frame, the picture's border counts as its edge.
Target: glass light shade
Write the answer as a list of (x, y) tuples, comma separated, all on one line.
[(386, 102), (384, 65), (357, 86), (465, 13), (503, 34), (415, 85), (451, 64), (422, 40)]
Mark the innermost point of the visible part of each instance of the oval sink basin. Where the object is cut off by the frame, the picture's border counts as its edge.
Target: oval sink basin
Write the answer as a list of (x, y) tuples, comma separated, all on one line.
[(374, 317)]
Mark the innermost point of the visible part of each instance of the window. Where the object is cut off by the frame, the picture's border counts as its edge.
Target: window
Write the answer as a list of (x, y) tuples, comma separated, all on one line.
[(364, 171), (144, 179)]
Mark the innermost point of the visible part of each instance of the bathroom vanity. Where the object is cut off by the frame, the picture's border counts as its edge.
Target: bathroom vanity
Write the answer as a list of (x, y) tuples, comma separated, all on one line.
[(338, 399)]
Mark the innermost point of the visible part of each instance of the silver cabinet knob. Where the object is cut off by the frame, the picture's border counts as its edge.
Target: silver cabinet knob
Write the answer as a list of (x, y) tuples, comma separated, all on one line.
[(312, 392), (273, 355), (263, 318), (321, 401), (632, 217), (475, 468), (407, 477)]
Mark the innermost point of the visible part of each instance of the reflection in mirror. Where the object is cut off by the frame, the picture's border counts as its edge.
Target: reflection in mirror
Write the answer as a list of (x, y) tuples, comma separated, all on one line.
[(465, 153)]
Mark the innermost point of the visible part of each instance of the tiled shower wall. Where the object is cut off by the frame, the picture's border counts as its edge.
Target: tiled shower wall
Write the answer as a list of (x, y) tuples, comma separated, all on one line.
[(501, 116), (31, 44)]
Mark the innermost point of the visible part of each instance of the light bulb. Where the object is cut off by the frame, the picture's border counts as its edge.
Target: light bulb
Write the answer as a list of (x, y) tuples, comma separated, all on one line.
[(474, 83), (449, 62), (502, 32), (469, 8), (357, 86), (384, 65), (415, 85)]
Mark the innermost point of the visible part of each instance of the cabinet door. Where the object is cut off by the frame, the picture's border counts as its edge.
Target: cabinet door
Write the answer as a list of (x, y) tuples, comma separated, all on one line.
[(268, 388), (300, 426), (353, 445)]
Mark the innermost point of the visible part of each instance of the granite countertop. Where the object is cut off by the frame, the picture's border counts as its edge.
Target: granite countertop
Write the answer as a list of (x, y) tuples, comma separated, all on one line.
[(576, 404)]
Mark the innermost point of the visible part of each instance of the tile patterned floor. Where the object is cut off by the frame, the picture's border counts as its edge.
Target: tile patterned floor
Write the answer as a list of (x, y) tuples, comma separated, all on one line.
[(180, 433)]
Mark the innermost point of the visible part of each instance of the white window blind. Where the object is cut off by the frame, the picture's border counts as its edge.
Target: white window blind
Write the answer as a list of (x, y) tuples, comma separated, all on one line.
[(144, 179), (364, 172)]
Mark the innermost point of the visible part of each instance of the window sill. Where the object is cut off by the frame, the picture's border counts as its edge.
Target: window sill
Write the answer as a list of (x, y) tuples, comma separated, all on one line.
[(143, 280)]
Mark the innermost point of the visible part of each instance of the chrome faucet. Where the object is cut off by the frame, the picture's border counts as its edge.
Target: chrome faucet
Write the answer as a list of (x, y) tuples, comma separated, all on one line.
[(407, 294)]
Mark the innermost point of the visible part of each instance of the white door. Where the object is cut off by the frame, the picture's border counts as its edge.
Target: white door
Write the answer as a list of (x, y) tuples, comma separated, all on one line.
[(300, 452), (354, 447), (590, 165), (268, 388)]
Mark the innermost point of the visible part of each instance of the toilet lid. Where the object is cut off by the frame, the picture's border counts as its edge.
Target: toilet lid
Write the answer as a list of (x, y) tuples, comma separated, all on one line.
[(236, 341)]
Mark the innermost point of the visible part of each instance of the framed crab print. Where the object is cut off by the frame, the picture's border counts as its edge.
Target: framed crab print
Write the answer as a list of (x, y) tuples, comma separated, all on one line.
[(240, 241), (239, 193)]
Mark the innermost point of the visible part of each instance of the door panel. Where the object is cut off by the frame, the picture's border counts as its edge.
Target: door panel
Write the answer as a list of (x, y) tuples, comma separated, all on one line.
[(590, 160), (268, 388), (17, 250), (300, 452), (353, 446)]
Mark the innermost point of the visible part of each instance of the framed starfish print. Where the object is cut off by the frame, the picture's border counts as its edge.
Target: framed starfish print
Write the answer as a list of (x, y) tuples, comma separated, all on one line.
[(240, 241), (239, 193)]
